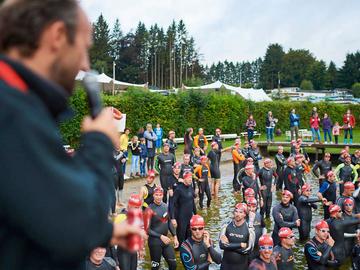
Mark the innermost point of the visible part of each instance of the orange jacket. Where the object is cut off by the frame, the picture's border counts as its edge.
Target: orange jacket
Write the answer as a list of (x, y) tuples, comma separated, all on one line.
[(196, 141), (237, 157), (198, 171)]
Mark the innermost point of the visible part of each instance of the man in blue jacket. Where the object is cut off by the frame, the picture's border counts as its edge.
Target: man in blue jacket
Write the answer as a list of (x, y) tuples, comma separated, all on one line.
[(53, 208), (294, 124)]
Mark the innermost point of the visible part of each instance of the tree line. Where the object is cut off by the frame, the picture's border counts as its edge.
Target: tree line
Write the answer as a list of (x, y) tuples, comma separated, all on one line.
[(167, 58)]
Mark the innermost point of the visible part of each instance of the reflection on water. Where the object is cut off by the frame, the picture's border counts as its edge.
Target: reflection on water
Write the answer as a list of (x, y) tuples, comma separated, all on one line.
[(221, 210)]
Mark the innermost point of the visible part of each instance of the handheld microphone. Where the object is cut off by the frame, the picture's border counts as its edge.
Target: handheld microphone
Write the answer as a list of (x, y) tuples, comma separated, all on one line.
[(92, 89)]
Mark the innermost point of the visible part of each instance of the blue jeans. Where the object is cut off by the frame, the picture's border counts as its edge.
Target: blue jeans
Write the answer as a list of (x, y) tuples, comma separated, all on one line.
[(250, 133), (315, 133), (326, 134), (269, 133), (126, 154), (135, 164), (346, 131), (142, 166)]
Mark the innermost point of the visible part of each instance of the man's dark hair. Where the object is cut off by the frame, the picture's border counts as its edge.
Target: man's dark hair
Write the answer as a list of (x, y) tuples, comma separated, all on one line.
[(22, 22)]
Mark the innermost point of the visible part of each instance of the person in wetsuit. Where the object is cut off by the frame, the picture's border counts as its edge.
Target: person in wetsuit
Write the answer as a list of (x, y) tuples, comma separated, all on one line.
[(283, 252), (202, 174), (259, 225), (246, 149), (346, 172), (300, 169), (255, 155), (355, 254), (327, 192), (349, 189), (147, 191), (350, 231), (237, 239), (214, 158), (265, 261), (201, 142), (195, 159), (280, 162), (171, 141), (238, 159), (159, 227), (163, 165), (186, 166), (322, 167), (250, 181), (291, 180), (174, 180), (197, 251), (267, 186), (217, 138), (337, 226), (318, 250), (343, 155), (184, 207), (284, 215), (304, 206)]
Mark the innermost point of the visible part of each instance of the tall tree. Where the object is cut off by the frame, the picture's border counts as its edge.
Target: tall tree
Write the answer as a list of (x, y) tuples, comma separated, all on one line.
[(332, 76), (350, 71), (317, 75)]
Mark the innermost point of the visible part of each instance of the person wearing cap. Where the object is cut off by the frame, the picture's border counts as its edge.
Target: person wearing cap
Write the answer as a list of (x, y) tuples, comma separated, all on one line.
[(197, 251), (255, 155), (172, 143), (163, 165), (300, 168), (237, 239), (280, 162), (186, 166), (337, 227), (346, 172), (238, 159), (327, 192), (322, 167), (349, 189), (291, 180), (214, 158), (159, 227), (283, 252), (304, 206), (147, 191), (259, 224), (350, 231), (268, 178), (202, 175), (294, 124), (241, 173), (250, 181), (302, 150), (201, 142), (184, 207), (265, 261), (246, 149), (217, 138), (284, 215), (318, 250)]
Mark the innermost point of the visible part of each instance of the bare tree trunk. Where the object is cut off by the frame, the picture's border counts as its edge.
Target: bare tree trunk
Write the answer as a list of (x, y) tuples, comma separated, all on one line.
[(181, 67), (155, 69), (174, 70), (170, 65)]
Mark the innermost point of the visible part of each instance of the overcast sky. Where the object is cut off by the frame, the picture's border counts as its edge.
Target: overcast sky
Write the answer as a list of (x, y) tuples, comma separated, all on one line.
[(241, 30)]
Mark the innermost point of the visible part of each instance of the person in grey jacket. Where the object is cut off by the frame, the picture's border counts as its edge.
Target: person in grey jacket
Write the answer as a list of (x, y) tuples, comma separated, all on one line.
[(150, 137)]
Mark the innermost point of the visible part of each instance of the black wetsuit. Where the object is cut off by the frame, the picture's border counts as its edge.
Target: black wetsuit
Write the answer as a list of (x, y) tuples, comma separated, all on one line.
[(214, 157), (250, 182), (258, 264), (201, 144), (238, 181), (266, 178), (345, 175), (355, 257), (246, 152), (255, 155), (194, 255), (314, 260), (217, 139), (328, 191), (289, 216), (174, 182), (324, 167), (354, 160), (337, 230), (195, 160), (284, 258), (204, 187), (280, 162), (235, 257), (349, 241), (186, 168), (291, 182), (173, 146), (184, 208), (259, 225), (160, 225), (300, 174), (304, 207), (164, 164), (149, 199)]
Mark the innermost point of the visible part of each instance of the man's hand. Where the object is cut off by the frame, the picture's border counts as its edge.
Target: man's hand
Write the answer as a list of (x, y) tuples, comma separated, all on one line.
[(263, 187), (103, 123), (174, 223), (224, 239), (243, 245), (121, 231), (330, 241), (166, 240), (297, 222), (207, 239), (176, 242)]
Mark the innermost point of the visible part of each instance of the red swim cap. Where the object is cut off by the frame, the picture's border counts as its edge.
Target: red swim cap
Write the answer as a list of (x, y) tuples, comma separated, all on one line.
[(285, 232), (349, 186), (322, 225), (241, 206), (249, 192), (305, 187), (134, 200), (333, 209), (287, 193), (158, 189), (266, 240), (197, 221), (251, 201)]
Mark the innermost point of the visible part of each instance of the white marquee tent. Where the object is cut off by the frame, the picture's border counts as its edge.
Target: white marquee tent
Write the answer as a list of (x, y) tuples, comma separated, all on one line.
[(247, 93)]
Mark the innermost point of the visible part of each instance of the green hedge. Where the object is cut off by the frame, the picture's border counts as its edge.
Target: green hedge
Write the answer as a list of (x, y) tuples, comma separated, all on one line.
[(196, 109)]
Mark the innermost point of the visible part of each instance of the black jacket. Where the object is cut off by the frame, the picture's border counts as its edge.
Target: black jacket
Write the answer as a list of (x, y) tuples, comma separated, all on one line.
[(53, 208)]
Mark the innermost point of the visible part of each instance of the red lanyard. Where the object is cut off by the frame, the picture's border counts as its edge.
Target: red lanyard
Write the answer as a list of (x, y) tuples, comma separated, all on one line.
[(11, 78)]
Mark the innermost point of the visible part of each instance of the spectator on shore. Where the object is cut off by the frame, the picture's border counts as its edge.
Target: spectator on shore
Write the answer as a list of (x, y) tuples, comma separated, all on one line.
[(315, 127), (172, 143), (327, 125), (270, 126), (140, 133), (159, 133), (124, 144), (250, 125), (336, 132), (188, 141), (349, 124), (150, 138), (294, 124), (135, 158)]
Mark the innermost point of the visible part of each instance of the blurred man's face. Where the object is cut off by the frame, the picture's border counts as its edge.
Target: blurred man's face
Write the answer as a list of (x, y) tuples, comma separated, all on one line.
[(188, 181), (166, 148), (98, 254), (349, 207), (285, 199), (186, 159), (150, 180), (176, 170), (158, 197), (323, 234), (197, 233), (280, 150), (290, 240), (266, 252), (239, 214), (218, 131)]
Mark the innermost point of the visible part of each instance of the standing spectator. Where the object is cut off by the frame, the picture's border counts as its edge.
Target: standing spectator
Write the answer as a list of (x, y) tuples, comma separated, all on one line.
[(188, 141), (171, 141), (250, 125), (270, 126), (143, 156), (336, 132), (313, 111), (159, 133), (349, 124), (315, 127), (150, 138), (97, 261), (327, 125), (135, 151), (294, 124), (140, 133), (124, 144)]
